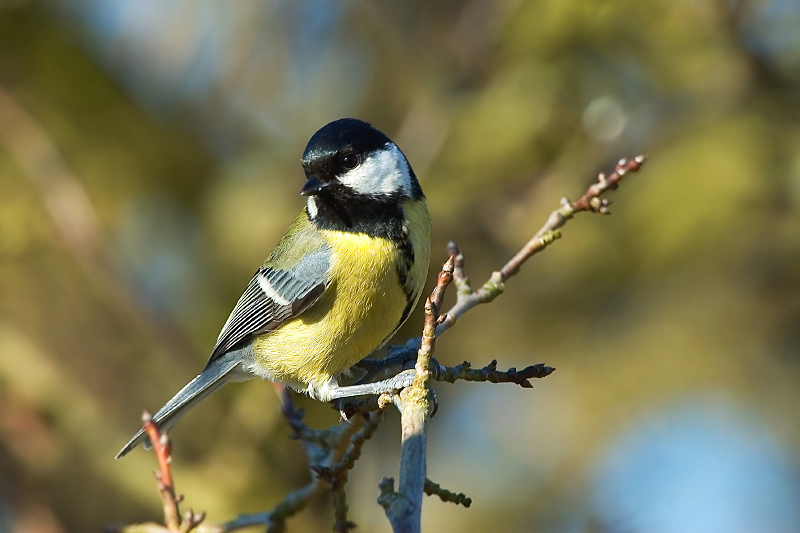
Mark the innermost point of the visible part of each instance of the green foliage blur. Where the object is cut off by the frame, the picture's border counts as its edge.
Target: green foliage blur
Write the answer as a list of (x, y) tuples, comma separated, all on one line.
[(149, 160)]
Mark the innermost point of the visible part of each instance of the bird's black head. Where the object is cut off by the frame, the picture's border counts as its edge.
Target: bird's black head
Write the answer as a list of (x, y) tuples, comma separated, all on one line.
[(355, 175)]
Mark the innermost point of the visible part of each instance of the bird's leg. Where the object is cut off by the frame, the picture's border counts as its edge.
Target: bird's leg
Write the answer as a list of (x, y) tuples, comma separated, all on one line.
[(397, 357), (398, 382), (348, 406)]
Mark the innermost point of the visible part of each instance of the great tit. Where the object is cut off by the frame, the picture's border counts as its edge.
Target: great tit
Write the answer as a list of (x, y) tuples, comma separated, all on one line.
[(339, 283)]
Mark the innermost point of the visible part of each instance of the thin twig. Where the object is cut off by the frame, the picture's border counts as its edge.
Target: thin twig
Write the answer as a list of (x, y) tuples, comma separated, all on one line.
[(337, 474), (164, 474), (341, 523), (353, 452), (332, 453), (300, 431), (467, 298), (445, 495), (396, 357), (590, 201), (275, 518), (465, 372), (166, 487)]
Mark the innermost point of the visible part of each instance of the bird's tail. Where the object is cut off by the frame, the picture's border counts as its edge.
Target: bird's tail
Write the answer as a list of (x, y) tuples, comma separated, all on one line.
[(218, 373)]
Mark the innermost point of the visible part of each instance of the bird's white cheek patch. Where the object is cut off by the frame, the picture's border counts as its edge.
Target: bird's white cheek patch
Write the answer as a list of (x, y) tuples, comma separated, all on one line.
[(383, 172)]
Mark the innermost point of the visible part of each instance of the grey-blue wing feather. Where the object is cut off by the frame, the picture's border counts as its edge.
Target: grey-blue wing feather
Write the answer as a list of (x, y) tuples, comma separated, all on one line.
[(272, 297)]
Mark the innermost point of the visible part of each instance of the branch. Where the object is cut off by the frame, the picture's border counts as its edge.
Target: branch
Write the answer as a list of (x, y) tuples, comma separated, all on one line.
[(166, 487), (398, 356), (332, 453), (164, 476), (275, 519), (353, 452), (337, 474), (468, 298), (404, 507), (445, 495), (451, 374)]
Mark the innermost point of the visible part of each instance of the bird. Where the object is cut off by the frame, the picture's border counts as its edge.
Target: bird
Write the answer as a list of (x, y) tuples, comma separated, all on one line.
[(337, 286)]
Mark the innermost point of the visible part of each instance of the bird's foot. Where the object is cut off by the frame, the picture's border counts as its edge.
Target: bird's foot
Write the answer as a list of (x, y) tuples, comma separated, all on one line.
[(395, 383)]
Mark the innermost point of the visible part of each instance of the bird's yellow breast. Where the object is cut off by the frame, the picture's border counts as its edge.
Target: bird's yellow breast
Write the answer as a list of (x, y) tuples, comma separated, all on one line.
[(357, 313)]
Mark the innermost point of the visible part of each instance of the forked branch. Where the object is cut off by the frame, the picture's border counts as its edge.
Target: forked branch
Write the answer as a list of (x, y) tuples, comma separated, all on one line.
[(404, 507), (333, 452), (547, 234)]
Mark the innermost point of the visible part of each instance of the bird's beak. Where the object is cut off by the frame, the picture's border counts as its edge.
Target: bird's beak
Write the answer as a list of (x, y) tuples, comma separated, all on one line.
[(314, 186)]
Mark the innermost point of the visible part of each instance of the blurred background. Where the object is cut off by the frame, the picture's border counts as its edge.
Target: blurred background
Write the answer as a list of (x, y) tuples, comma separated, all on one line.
[(149, 159)]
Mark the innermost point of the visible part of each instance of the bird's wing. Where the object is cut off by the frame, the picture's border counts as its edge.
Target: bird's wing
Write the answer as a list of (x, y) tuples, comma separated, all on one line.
[(273, 297)]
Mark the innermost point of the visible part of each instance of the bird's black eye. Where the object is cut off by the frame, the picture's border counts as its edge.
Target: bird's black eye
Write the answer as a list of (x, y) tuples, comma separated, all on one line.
[(350, 161)]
